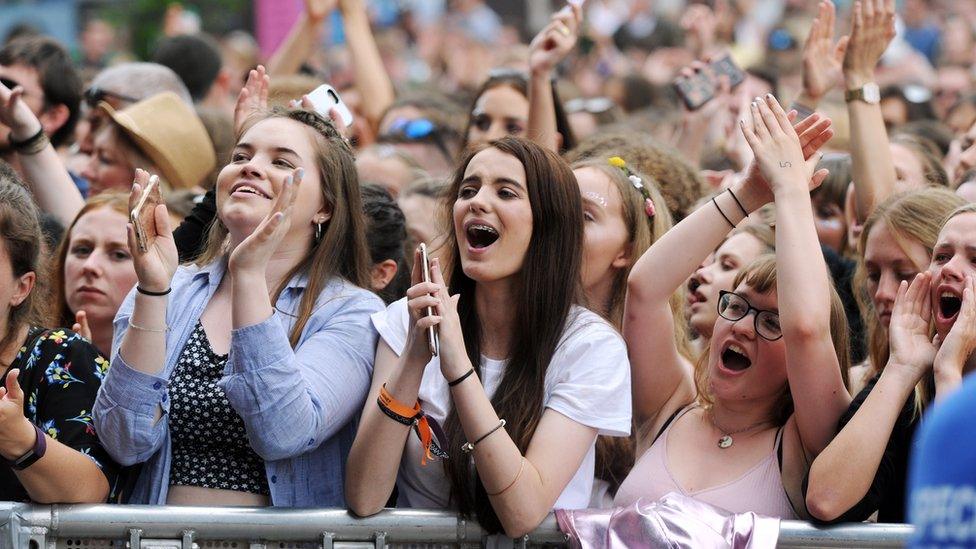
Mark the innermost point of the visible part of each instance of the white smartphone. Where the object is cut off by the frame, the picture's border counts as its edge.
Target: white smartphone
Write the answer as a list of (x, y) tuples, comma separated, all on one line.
[(432, 341), (325, 98)]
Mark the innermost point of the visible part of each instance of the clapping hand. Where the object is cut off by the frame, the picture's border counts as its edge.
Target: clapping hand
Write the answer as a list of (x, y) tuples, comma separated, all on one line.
[(252, 255), (822, 58), (784, 155), (253, 97), (873, 29)]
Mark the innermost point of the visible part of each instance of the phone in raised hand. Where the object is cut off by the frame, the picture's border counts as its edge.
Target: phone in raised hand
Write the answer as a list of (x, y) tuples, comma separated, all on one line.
[(325, 98), (144, 214), (432, 341)]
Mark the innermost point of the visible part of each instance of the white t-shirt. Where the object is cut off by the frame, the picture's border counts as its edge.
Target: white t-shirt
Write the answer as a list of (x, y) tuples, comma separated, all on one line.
[(587, 381)]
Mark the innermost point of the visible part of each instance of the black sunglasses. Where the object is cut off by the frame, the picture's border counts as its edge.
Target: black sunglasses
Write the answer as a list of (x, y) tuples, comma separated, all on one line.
[(94, 95)]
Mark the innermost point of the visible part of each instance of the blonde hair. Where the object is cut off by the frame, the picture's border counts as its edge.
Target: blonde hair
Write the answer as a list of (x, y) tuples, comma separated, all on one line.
[(642, 229), (914, 216), (760, 275)]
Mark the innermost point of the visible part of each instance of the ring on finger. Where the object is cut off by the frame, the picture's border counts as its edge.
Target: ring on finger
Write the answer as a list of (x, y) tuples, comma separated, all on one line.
[(563, 30)]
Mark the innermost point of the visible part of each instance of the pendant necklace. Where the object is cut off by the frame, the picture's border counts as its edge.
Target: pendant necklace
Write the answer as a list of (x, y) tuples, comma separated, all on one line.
[(726, 441)]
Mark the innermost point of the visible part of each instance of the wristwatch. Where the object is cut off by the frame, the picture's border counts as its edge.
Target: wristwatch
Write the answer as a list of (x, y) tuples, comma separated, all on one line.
[(869, 93), (32, 455)]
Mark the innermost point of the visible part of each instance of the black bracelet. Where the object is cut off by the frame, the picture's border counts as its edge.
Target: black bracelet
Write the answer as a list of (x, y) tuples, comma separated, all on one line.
[(144, 291), (719, 208), (460, 379), (32, 145), (17, 144), (468, 447), (741, 207)]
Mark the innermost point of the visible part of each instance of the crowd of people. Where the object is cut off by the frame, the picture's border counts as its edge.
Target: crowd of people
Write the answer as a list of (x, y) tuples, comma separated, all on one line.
[(590, 269)]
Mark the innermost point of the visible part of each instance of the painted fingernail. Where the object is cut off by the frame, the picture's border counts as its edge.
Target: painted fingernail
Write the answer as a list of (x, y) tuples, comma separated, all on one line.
[(769, 96), (301, 173)]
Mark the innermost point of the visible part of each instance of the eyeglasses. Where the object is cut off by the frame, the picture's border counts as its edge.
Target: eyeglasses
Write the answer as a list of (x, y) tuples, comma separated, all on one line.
[(734, 307), (94, 95)]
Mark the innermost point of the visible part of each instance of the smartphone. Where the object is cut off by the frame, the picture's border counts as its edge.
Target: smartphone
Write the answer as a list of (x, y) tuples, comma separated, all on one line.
[(143, 215), (432, 342), (325, 98), (700, 88)]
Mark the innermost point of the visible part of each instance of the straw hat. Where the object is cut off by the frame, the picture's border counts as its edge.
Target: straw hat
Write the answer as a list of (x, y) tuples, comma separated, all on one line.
[(168, 131)]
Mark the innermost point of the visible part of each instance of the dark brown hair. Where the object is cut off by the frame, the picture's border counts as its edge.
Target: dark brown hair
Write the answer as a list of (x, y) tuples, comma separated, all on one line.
[(547, 287), (519, 81), (342, 250), (20, 236)]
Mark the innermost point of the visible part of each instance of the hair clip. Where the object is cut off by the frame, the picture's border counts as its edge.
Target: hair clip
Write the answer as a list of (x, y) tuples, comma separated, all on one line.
[(637, 182)]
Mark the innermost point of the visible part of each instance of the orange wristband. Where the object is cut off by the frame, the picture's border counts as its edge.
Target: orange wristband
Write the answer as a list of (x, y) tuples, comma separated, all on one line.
[(401, 413)]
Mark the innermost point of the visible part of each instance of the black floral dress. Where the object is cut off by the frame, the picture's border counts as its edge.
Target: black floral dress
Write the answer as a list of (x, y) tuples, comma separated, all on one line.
[(60, 373)]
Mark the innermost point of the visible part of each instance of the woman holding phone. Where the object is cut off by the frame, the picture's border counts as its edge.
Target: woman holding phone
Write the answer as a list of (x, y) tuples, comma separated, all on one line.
[(524, 374), (223, 372)]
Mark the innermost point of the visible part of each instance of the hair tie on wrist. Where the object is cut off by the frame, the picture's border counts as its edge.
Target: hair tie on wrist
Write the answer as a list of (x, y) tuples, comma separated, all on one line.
[(144, 291), (741, 207), (460, 379)]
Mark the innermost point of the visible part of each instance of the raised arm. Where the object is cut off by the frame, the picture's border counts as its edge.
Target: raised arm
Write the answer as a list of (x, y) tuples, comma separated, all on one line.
[(822, 58), (548, 48), (372, 80), (657, 369), (301, 39), (803, 282), (46, 177), (873, 168), (846, 473)]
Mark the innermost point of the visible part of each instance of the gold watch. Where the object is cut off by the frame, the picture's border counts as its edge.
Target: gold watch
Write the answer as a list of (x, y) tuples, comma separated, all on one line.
[(869, 93)]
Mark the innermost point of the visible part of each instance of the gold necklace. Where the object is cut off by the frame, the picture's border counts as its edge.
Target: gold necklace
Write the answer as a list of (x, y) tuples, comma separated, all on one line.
[(726, 441)]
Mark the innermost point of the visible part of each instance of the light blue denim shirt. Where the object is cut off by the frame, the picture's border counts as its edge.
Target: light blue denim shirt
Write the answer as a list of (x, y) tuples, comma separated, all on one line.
[(300, 407)]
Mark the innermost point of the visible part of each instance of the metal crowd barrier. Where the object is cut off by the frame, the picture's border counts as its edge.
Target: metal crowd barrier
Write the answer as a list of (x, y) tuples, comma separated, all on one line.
[(154, 527)]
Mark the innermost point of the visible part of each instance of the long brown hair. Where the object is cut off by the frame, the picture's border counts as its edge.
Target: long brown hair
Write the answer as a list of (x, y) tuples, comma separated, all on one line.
[(116, 201), (760, 275), (342, 250), (21, 238), (548, 286)]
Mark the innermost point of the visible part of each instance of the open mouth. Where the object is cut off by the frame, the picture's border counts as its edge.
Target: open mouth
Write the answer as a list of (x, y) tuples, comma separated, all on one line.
[(734, 358), (949, 305), (481, 236), (248, 189)]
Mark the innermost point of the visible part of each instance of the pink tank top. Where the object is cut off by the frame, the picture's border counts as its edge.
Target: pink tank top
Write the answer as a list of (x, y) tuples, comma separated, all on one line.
[(760, 490)]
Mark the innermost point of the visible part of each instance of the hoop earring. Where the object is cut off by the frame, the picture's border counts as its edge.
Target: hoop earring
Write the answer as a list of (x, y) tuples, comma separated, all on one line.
[(318, 232)]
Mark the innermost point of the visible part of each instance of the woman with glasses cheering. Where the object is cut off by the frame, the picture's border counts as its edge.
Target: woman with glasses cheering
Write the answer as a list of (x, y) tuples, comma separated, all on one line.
[(765, 396)]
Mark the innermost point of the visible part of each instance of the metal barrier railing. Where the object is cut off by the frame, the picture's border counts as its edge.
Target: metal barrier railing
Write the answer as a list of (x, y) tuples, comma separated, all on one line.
[(145, 527)]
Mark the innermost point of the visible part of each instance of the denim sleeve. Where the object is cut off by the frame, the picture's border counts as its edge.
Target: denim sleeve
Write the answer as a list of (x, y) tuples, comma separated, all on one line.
[(125, 408), (292, 401)]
